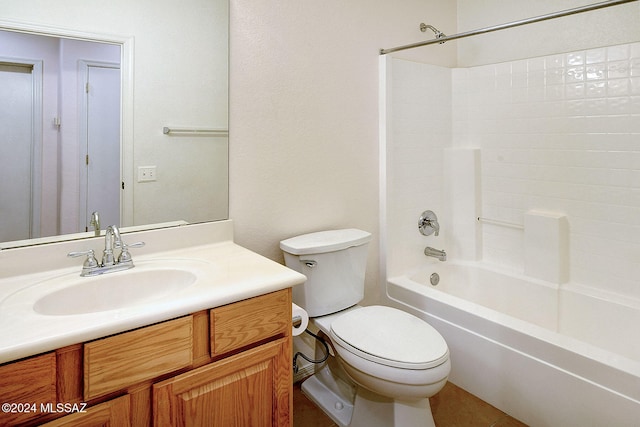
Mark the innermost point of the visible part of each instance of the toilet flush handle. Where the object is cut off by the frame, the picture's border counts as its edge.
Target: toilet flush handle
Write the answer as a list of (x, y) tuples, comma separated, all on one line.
[(309, 262)]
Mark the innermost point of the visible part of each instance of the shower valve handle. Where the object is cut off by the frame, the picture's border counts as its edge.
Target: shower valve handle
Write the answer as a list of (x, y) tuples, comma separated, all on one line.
[(428, 223)]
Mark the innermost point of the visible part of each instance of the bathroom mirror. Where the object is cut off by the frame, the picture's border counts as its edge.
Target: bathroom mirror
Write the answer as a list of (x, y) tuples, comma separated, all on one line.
[(107, 150)]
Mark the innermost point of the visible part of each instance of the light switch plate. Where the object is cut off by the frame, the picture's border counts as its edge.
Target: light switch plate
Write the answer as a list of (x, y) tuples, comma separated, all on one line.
[(146, 173)]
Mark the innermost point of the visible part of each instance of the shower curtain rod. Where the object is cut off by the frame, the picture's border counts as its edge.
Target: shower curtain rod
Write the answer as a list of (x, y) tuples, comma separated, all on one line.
[(510, 25)]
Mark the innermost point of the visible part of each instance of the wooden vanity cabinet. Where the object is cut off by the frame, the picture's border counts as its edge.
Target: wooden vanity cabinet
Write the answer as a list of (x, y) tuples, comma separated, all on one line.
[(24, 384), (228, 366), (247, 389)]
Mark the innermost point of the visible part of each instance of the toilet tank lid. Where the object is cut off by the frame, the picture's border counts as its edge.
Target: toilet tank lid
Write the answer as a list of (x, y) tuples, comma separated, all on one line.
[(325, 241)]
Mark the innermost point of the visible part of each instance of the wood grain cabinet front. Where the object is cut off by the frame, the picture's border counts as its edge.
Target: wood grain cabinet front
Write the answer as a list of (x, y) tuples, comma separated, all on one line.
[(227, 366), (250, 321), (24, 386), (116, 362), (249, 389), (113, 413)]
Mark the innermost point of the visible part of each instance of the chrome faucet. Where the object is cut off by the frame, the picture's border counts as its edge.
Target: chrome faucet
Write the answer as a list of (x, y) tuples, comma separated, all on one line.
[(112, 240), (110, 263), (436, 253), (95, 222)]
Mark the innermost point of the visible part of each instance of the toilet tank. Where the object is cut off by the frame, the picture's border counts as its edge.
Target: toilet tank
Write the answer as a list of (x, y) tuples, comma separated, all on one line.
[(334, 262)]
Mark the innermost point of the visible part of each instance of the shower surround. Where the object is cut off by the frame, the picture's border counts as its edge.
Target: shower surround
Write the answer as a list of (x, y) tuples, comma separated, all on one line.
[(558, 133), (551, 138)]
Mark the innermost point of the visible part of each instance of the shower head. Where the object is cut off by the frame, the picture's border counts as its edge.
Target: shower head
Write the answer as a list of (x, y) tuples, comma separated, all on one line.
[(439, 34)]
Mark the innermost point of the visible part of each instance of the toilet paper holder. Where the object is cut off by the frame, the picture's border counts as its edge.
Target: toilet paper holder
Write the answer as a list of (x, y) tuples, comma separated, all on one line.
[(296, 321), (299, 320)]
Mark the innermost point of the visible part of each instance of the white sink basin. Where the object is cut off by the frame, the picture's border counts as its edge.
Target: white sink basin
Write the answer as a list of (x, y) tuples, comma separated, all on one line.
[(149, 281), (114, 290)]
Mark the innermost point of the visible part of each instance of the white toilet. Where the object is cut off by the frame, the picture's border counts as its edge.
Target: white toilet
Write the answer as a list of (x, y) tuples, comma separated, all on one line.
[(393, 361)]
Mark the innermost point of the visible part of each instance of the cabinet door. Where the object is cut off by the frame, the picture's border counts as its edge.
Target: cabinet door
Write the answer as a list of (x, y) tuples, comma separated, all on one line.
[(27, 383), (115, 413), (251, 389)]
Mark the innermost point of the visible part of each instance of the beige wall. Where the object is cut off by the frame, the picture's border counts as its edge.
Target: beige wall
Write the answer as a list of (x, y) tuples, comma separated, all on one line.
[(304, 113)]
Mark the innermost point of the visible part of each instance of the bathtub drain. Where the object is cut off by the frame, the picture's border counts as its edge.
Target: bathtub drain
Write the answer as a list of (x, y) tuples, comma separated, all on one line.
[(434, 279)]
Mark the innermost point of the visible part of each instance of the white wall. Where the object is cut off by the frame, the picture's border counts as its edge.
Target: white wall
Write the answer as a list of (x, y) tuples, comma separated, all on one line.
[(420, 129), (304, 113)]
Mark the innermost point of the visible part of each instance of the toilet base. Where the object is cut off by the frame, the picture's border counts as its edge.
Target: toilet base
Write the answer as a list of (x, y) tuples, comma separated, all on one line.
[(339, 400), (373, 410), (338, 407)]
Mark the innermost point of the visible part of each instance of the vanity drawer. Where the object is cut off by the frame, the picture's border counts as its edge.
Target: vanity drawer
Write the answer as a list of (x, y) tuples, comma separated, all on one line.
[(116, 362), (26, 383), (236, 325)]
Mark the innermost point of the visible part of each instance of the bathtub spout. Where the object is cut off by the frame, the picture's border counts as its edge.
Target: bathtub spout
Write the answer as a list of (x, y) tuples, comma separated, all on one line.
[(436, 253)]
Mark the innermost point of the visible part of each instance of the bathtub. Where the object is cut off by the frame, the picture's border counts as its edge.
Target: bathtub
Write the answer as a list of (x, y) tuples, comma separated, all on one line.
[(548, 355)]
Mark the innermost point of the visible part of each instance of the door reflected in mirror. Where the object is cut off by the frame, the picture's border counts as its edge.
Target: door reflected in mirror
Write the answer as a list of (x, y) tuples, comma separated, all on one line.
[(60, 141)]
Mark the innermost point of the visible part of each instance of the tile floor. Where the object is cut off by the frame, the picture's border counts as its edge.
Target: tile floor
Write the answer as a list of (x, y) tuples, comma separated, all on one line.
[(452, 407)]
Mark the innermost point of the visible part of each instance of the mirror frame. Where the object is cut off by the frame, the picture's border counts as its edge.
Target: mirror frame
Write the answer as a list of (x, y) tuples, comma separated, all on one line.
[(126, 114)]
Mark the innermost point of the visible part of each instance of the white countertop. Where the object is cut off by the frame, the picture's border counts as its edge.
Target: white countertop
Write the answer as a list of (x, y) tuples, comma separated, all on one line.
[(229, 273)]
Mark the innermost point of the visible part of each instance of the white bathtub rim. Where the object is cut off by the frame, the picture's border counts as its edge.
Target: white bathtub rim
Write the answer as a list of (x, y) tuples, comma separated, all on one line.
[(621, 373), (540, 332), (570, 286), (603, 295), (575, 288), (480, 265)]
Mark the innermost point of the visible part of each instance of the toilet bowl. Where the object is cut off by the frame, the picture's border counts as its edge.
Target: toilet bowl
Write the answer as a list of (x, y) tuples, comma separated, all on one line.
[(391, 352), (394, 364), (389, 362)]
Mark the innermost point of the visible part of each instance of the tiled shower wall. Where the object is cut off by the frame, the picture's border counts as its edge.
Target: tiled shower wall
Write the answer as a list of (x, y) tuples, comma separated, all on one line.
[(420, 127), (559, 133)]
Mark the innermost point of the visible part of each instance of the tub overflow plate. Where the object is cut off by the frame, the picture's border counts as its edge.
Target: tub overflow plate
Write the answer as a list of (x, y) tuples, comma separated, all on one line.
[(434, 279)]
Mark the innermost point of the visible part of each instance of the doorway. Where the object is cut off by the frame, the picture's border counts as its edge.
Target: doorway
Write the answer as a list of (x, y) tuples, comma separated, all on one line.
[(20, 145), (100, 178)]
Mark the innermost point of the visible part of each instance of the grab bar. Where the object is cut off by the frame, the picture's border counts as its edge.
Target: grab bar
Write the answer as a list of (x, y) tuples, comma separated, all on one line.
[(194, 131), (500, 222)]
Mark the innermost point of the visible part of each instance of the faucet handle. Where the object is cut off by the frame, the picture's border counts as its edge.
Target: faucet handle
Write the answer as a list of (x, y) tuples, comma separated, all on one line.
[(90, 263), (125, 255), (428, 223)]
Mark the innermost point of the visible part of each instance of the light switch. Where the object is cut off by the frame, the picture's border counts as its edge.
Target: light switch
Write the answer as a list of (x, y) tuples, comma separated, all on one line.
[(146, 173)]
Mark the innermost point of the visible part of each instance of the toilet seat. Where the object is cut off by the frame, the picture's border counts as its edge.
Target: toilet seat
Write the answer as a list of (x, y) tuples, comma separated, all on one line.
[(390, 337)]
